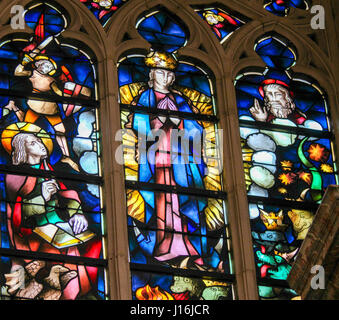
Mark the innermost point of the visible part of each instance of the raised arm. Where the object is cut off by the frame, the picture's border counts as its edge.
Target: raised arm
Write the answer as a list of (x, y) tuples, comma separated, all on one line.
[(12, 107)]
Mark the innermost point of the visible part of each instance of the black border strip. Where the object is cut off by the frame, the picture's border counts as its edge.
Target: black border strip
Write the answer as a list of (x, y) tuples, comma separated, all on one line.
[(53, 257), (56, 174), (175, 189), (213, 275), (15, 94), (284, 203), (277, 127), (272, 283), (90, 213), (190, 234), (179, 114)]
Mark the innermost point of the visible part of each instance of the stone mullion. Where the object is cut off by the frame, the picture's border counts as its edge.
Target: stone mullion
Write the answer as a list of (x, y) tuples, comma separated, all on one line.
[(237, 205), (114, 185)]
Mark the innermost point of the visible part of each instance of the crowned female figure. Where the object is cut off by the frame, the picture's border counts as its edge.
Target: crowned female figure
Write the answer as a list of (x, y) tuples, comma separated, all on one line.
[(170, 164)]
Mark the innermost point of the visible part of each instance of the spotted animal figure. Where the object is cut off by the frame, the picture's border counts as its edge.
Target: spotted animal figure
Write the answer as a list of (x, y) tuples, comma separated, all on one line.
[(216, 293), (182, 284), (302, 221), (198, 290)]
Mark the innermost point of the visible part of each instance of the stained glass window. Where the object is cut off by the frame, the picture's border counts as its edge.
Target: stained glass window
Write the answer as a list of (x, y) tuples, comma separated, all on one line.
[(177, 221), (51, 238), (281, 8), (288, 157), (103, 10), (221, 22)]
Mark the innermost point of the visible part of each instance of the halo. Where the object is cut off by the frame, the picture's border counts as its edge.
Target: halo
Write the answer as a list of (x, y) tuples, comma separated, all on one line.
[(25, 127)]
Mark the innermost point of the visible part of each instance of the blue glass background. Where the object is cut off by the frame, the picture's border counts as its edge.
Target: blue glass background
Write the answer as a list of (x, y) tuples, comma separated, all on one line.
[(163, 31)]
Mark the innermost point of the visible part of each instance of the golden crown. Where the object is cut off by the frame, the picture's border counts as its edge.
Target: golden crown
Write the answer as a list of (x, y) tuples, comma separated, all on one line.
[(164, 60)]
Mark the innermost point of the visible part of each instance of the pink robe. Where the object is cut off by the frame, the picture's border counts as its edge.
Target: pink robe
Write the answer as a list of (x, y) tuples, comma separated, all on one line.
[(171, 240)]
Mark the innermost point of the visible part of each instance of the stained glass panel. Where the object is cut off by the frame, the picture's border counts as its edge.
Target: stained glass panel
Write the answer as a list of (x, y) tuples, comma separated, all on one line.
[(153, 286), (50, 175), (171, 151), (288, 158), (55, 72), (276, 53), (277, 293), (72, 217), (191, 167), (287, 148), (103, 10), (191, 83), (37, 279), (306, 105), (222, 23), (287, 165), (277, 234), (170, 227), (163, 30), (281, 8)]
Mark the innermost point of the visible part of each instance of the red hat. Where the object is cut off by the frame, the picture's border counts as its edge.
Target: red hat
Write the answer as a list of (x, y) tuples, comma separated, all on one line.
[(273, 81)]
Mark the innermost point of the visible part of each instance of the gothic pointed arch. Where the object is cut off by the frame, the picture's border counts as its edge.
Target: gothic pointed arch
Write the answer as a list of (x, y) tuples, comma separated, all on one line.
[(288, 154), (51, 179), (176, 210), (156, 227)]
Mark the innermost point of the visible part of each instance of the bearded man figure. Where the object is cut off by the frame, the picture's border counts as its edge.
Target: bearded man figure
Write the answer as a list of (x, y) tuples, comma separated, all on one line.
[(278, 103)]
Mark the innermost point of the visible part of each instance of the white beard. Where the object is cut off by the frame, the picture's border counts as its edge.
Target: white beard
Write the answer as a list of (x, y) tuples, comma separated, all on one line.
[(279, 110)]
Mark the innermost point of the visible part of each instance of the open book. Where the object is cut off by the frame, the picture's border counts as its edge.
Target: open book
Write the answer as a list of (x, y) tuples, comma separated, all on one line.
[(61, 235)]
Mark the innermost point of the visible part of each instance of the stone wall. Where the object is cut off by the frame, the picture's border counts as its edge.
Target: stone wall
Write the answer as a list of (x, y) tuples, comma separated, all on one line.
[(320, 247)]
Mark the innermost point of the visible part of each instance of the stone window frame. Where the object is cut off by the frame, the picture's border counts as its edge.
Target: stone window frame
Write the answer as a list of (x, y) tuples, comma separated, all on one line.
[(316, 58)]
